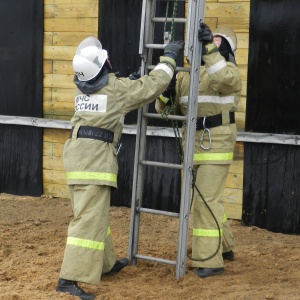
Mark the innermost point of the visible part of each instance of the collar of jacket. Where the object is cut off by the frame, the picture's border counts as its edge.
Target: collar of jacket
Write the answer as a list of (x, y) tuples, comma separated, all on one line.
[(94, 85)]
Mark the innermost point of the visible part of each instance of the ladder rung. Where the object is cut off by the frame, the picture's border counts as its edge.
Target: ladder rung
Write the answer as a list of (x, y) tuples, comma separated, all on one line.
[(159, 260), (158, 212), (170, 117), (161, 164), (176, 20), (155, 46), (179, 69)]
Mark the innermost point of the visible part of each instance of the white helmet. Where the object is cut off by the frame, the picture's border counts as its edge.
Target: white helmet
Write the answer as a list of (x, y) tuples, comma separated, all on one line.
[(228, 34), (89, 59)]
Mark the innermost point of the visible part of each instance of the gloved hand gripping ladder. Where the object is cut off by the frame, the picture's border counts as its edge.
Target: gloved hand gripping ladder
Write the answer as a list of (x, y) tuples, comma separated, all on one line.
[(193, 55)]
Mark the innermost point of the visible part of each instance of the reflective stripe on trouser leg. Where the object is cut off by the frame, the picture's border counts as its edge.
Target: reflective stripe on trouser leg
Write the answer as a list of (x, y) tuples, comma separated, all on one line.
[(87, 234), (228, 239), (210, 180)]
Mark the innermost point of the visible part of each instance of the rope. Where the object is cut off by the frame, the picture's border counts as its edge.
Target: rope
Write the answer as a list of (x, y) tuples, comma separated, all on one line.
[(175, 6), (173, 17), (167, 12), (170, 109)]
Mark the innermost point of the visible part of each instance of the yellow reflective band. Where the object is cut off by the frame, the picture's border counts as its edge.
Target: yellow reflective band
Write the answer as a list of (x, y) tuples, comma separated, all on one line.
[(108, 231), (164, 99), (224, 218), (92, 176), (85, 243), (213, 156), (207, 232)]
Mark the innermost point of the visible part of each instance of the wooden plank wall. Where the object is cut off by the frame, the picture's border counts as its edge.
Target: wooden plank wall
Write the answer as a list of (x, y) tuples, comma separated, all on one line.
[(66, 23), (236, 14)]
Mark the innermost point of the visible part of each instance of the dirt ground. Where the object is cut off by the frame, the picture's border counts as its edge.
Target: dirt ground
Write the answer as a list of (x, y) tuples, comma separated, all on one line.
[(32, 239)]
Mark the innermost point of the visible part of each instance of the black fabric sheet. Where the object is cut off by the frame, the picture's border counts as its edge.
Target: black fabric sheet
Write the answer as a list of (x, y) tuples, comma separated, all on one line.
[(271, 180), (21, 85)]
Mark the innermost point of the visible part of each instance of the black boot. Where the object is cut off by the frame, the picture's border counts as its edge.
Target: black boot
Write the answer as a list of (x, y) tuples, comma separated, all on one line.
[(228, 255), (71, 287), (206, 272), (118, 266)]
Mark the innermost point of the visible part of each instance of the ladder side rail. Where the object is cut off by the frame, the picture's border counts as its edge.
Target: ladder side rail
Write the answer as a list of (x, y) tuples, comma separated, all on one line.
[(190, 141), (147, 32), (134, 217), (190, 30), (142, 29), (136, 193)]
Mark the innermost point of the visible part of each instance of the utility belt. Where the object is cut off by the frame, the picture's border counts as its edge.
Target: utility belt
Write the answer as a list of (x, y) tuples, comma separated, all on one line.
[(90, 132), (213, 121)]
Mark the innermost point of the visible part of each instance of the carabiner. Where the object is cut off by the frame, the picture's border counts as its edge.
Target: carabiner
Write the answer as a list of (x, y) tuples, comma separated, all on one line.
[(203, 135), (118, 148)]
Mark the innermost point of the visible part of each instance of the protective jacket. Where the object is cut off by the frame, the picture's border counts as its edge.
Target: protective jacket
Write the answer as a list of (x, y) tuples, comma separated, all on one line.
[(219, 93), (92, 161)]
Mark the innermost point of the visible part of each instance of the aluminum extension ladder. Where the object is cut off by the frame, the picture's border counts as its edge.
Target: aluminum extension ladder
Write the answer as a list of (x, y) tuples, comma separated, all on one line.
[(192, 53)]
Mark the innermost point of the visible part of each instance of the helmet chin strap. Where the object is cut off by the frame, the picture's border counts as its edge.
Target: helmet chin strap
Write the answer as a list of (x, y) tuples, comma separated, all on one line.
[(108, 65), (93, 85)]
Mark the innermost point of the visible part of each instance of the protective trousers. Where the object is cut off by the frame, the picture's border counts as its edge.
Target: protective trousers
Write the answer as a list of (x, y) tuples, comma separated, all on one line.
[(210, 181), (89, 250)]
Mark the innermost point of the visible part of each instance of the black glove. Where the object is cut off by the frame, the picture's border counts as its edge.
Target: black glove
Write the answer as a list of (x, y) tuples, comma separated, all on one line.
[(173, 49), (206, 37), (135, 75), (204, 34)]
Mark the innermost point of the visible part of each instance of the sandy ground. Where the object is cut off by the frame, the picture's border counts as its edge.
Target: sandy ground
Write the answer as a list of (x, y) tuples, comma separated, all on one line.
[(32, 239)]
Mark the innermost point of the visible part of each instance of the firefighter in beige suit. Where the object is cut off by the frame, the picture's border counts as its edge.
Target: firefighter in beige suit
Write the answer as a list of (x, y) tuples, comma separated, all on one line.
[(219, 94), (101, 102)]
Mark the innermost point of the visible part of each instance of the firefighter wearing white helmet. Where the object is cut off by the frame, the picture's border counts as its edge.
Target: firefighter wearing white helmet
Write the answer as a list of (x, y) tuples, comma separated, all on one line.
[(219, 95), (89, 59), (101, 102)]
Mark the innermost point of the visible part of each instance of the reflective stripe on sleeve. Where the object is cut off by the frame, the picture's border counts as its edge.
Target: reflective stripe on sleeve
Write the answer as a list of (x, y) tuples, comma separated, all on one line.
[(209, 99), (165, 68), (92, 176), (213, 156), (216, 67), (85, 243), (207, 232)]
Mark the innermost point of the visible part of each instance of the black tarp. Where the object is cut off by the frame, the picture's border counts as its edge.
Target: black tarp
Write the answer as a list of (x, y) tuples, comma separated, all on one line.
[(271, 177), (119, 33), (21, 85)]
